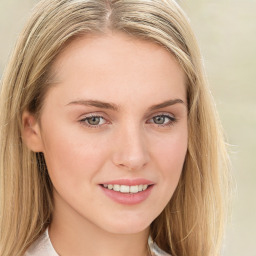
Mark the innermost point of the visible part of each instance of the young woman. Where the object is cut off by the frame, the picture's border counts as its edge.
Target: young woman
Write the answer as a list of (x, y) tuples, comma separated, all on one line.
[(110, 144)]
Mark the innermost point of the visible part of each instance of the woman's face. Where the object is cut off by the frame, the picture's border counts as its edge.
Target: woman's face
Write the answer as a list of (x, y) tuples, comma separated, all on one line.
[(116, 119)]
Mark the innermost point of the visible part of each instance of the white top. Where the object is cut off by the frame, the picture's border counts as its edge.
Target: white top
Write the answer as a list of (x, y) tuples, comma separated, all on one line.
[(43, 247)]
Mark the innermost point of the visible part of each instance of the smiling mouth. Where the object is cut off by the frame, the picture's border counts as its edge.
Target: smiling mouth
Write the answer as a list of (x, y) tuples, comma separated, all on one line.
[(126, 189)]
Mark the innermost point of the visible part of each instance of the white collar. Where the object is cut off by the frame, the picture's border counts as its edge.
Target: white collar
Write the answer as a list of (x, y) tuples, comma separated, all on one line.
[(43, 246)]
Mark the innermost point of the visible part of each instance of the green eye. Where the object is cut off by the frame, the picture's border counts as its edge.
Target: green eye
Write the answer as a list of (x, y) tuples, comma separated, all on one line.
[(159, 119), (163, 120), (94, 120)]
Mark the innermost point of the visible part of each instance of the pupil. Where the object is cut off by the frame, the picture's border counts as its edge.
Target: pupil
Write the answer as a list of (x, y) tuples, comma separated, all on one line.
[(159, 119), (94, 120)]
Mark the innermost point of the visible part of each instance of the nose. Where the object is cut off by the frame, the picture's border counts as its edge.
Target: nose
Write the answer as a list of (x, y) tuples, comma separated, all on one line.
[(130, 149)]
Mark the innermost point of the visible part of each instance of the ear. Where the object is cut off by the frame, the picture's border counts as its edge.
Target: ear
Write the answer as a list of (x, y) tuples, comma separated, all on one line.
[(31, 132)]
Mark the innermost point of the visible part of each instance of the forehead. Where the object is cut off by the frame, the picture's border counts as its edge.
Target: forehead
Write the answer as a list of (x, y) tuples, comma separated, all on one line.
[(118, 62)]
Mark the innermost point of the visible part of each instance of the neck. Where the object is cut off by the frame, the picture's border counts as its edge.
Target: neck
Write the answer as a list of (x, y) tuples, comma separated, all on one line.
[(72, 234)]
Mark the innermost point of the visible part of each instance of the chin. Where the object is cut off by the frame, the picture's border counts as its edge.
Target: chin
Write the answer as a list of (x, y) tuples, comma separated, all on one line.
[(127, 225)]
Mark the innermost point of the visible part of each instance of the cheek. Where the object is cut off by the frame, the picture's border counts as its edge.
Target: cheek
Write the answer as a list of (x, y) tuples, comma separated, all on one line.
[(171, 150), (170, 156), (72, 158)]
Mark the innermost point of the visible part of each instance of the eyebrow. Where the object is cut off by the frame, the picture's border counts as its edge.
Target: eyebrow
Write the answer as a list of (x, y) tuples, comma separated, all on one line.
[(95, 103), (112, 106), (167, 104)]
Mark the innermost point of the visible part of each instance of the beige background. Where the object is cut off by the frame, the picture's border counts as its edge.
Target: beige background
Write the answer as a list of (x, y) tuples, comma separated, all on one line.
[(226, 31)]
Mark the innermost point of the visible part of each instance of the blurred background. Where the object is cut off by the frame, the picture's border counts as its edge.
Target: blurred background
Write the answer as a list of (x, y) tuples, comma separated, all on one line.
[(226, 32)]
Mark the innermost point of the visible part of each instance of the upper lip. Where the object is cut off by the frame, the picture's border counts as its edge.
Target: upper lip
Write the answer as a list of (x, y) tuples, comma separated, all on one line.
[(129, 182)]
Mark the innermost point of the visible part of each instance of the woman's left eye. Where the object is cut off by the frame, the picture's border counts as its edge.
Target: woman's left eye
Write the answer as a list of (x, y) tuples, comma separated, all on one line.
[(93, 121), (163, 120)]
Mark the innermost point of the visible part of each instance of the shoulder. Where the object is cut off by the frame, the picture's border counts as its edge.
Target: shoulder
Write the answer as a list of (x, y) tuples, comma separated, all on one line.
[(155, 250), (41, 247)]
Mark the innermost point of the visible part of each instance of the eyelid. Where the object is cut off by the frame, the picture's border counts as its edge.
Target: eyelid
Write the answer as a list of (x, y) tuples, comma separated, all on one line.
[(84, 117), (162, 113), (91, 114), (172, 118)]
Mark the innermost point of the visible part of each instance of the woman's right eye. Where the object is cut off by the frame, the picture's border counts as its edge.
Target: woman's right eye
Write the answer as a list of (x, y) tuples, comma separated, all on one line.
[(93, 121)]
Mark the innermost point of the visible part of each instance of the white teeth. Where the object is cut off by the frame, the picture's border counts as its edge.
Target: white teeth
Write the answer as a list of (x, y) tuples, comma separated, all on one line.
[(134, 189), (116, 187), (126, 189)]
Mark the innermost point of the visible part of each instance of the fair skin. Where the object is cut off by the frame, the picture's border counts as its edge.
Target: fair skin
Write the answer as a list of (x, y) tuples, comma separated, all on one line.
[(116, 112)]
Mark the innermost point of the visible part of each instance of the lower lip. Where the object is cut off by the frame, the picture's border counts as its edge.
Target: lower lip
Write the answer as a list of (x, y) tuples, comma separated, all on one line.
[(129, 198)]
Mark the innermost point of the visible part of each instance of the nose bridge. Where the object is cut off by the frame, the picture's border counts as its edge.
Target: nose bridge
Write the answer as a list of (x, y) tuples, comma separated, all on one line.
[(131, 150)]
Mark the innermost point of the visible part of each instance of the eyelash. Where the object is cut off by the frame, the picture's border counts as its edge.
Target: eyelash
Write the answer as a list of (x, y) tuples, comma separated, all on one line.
[(172, 120), (84, 121)]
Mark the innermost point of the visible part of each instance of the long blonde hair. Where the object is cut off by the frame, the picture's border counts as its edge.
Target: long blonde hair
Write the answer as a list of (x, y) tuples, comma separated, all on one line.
[(192, 222)]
